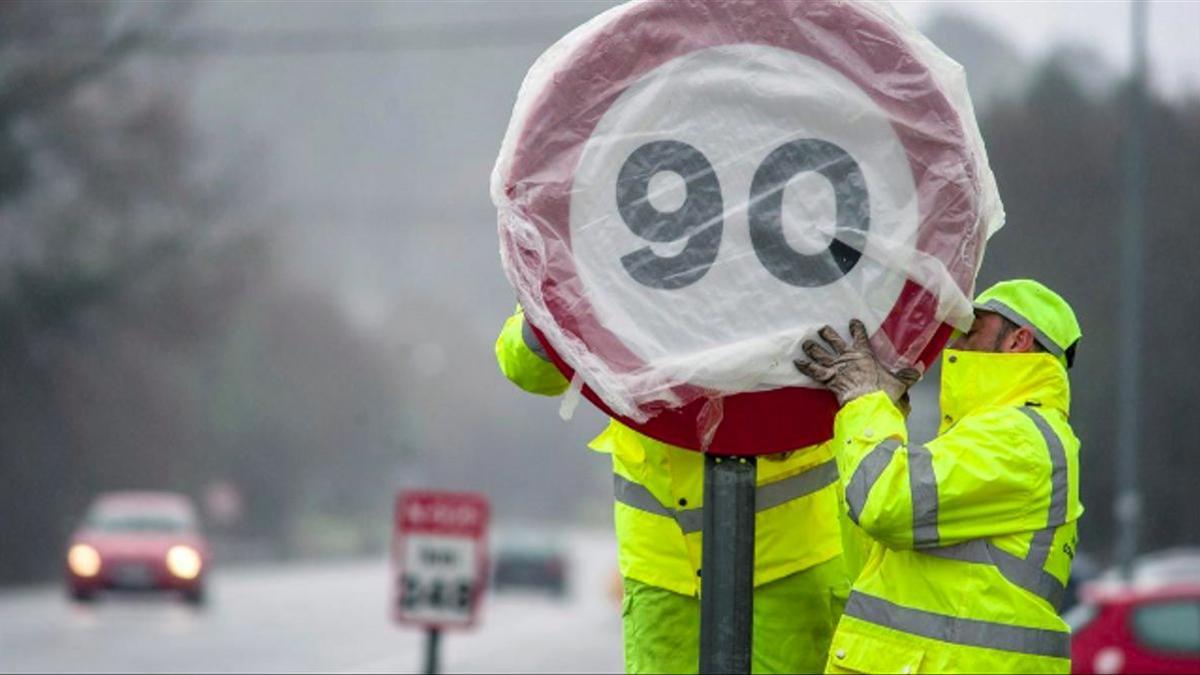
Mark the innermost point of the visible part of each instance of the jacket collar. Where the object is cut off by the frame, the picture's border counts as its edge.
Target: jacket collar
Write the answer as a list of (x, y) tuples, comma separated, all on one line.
[(975, 380)]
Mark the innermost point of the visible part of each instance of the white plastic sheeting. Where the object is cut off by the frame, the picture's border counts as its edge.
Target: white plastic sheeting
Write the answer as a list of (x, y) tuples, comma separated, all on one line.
[(689, 189)]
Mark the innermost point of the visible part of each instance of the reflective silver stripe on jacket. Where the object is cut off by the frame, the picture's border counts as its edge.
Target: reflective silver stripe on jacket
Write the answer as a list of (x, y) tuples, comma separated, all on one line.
[(921, 481), (532, 342), (959, 631), (868, 471), (1018, 571), (1028, 573), (1019, 319), (767, 496), (1039, 548), (923, 485)]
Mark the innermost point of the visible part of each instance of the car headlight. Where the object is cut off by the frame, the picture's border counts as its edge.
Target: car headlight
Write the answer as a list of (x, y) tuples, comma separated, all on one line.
[(83, 560), (184, 562)]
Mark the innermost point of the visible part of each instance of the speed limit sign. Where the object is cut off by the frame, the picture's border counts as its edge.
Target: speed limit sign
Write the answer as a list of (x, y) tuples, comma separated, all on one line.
[(688, 189), (439, 557)]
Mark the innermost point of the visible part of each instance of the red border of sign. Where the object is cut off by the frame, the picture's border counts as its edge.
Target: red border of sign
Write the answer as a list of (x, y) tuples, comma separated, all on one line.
[(765, 422), (480, 533), (630, 45)]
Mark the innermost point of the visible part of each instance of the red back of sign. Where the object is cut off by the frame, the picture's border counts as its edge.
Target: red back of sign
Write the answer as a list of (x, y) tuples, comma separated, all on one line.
[(439, 557)]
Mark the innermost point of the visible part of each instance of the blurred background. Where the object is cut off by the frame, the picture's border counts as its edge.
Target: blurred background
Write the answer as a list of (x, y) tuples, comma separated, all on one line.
[(247, 255)]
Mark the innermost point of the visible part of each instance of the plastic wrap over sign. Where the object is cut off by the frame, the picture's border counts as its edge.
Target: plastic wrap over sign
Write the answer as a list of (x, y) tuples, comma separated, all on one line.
[(687, 190)]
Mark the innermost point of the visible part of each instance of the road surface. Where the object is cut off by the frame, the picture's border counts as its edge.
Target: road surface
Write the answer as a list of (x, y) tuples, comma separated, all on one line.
[(330, 617)]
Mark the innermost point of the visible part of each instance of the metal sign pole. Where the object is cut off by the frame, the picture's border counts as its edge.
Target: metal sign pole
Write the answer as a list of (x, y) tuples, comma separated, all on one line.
[(1129, 446), (727, 565), (432, 646)]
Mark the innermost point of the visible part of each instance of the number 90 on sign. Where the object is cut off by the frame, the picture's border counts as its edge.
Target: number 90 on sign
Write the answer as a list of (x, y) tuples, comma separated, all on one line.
[(713, 215), (700, 216)]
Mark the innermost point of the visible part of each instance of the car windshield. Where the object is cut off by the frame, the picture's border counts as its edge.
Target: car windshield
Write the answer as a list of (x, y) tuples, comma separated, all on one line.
[(1169, 625), (147, 518), (533, 541)]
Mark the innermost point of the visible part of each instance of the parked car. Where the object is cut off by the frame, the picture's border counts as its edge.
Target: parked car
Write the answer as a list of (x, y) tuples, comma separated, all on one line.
[(529, 561), (138, 541), (1147, 624)]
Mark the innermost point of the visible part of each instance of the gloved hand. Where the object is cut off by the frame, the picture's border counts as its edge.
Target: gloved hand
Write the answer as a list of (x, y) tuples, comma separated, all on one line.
[(853, 371)]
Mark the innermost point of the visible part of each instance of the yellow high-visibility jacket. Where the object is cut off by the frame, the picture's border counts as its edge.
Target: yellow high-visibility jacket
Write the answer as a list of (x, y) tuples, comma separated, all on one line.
[(972, 533), (659, 490)]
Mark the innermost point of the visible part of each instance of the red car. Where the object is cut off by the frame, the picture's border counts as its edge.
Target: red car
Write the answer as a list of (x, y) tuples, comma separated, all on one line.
[(1151, 625), (138, 541)]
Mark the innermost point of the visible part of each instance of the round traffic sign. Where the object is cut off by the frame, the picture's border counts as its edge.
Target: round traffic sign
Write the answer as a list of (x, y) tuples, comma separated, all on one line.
[(687, 189)]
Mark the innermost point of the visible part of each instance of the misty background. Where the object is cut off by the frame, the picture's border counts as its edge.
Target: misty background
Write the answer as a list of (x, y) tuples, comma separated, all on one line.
[(248, 249)]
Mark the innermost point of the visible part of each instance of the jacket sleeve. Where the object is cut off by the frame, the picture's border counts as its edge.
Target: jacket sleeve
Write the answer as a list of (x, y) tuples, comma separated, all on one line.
[(984, 477), (523, 360)]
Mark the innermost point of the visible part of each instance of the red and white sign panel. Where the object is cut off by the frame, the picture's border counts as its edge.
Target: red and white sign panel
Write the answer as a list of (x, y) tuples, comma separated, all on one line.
[(688, 189), (439, 557)]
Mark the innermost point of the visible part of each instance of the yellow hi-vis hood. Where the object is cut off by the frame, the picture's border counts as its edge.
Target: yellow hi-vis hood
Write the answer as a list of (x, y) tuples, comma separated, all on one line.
[(972, 381)]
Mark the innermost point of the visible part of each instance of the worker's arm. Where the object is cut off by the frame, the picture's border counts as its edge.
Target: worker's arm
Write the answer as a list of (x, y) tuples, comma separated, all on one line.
[(523, 360), (988, 475)]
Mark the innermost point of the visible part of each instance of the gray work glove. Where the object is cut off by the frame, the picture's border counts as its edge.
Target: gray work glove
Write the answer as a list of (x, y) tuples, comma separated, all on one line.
[(851, 371)]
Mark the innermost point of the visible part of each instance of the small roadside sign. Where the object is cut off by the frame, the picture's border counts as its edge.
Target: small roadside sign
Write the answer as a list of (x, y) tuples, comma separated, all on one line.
[(439, 558)]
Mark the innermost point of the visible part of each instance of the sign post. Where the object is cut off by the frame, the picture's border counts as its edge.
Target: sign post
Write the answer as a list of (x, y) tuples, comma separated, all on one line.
[(439, 559), (727, 564), (433, 639)]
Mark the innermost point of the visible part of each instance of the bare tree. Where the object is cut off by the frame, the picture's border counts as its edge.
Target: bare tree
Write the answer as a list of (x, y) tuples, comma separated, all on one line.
[(109, 236)]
